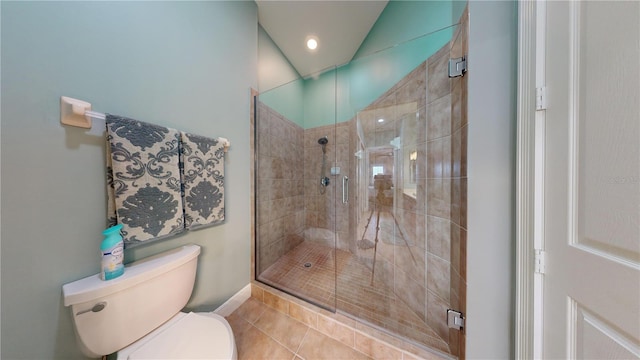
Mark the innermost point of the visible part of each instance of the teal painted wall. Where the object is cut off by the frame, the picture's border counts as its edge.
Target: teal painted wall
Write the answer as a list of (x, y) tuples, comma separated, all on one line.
[(402, 21), (288, 100), (371, 76), (274, 69), (320, 100), (405, 34), (279, 84), (457, 7), (187, 65)]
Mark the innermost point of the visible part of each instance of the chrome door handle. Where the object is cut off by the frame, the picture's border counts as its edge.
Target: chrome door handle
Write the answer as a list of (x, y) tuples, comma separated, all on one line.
[(345, 189)]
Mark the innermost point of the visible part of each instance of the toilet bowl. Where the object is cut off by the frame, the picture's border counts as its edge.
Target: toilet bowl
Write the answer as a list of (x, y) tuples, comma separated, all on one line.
[(138, 314)]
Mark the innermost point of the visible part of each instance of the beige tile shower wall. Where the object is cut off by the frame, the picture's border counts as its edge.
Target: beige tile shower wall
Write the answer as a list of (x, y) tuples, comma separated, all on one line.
[(279, 188), (317, 200), (323, 206), (354, 208), (342, 161), (458, 224), (410, 261), (438, 182)]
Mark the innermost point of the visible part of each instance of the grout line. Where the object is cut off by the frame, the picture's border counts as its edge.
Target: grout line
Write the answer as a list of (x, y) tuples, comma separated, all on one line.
[(259, 316), (295, 353), (302, 342), (272, 338)]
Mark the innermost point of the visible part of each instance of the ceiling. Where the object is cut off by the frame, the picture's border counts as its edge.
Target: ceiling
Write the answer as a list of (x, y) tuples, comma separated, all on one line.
[(339, 26)]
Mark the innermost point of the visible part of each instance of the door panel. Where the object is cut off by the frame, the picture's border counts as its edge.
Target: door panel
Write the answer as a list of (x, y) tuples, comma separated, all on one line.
[(592, 181), (608, 127), (596, 339)]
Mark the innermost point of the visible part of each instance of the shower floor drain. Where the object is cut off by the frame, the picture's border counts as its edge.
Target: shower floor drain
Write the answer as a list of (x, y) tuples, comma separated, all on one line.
[(307, 265)]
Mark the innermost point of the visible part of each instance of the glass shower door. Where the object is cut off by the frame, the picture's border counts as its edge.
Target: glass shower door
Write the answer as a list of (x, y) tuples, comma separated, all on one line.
[(383, 278), (403, 265), (361, 189)]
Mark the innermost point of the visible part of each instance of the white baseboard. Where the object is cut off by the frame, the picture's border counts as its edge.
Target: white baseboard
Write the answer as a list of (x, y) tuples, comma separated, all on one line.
[(234, 302)]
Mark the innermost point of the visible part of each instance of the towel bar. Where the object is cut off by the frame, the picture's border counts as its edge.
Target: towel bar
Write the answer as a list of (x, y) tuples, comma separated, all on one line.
[(78, 113)]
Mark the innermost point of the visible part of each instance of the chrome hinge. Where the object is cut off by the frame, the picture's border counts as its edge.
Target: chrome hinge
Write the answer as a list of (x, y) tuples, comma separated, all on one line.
[(541, 98), (455, 319), (457, 67), (539, 261)]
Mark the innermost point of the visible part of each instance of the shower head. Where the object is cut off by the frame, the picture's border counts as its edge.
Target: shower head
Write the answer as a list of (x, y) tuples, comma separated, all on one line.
[(323, 140)]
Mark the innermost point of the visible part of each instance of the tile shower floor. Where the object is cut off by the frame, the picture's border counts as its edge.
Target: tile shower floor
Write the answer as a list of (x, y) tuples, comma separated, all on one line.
[(381, 307)]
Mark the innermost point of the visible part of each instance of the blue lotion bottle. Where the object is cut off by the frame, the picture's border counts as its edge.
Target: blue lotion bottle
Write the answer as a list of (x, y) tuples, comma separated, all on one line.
[(112, 250)]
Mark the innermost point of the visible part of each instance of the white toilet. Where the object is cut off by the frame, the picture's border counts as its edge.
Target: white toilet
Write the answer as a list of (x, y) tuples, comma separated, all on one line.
[(138, 314)]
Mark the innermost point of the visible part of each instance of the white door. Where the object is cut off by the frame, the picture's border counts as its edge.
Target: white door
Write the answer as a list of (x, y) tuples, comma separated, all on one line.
[(592, 181)]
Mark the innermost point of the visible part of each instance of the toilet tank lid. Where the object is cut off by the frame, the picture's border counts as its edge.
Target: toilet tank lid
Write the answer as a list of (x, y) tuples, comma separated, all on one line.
[(92, 287)]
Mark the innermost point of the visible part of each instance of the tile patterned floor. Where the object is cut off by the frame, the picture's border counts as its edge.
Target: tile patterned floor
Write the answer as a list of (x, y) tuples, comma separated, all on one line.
[(318, 282), (262, 332)]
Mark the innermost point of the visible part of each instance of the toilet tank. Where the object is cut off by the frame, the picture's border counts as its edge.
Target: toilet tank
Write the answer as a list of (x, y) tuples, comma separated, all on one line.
[(109, 315)]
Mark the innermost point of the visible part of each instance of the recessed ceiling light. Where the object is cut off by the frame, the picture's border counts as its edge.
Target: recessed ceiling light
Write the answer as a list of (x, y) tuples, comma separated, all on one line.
[(380, 120), (312, 43)]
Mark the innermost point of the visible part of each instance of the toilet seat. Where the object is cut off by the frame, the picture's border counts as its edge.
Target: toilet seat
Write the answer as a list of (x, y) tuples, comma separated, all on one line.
[(185, 336)]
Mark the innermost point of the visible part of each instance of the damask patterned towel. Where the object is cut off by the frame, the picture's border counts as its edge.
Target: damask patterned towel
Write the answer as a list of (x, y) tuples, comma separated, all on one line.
[(202, 180), (143, 180)]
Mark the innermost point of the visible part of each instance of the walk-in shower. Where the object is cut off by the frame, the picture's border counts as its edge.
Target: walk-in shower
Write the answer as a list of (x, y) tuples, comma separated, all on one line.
[(389, 250)]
